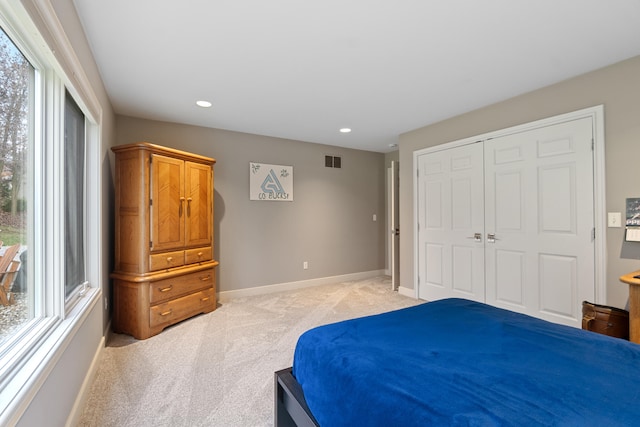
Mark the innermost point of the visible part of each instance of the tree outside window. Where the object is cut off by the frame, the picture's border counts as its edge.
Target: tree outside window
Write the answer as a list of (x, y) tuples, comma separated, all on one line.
[(16, 77)]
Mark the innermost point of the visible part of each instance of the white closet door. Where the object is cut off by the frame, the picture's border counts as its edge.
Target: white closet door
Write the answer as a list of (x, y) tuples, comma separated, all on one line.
[(540, 208), (451, 214)]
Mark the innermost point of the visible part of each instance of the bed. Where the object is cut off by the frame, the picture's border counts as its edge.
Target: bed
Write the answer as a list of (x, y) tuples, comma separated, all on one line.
[(456, 362)]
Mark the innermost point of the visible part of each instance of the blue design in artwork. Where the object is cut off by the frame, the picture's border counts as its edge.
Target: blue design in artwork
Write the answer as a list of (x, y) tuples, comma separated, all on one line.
[(271, 184)]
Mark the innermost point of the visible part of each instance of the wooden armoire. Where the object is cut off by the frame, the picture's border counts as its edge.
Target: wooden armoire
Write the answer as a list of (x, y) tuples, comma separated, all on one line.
[(164, 268)]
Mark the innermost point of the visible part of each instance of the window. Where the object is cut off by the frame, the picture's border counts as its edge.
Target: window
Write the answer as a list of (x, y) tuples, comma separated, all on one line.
[(50, 202), (16, 99), (74, 197)]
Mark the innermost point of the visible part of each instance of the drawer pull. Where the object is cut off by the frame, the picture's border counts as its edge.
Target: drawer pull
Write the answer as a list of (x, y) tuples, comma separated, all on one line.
[(166, 313), (199, 254), (167, 289), (205, 278), (169, 259), (204, 299)]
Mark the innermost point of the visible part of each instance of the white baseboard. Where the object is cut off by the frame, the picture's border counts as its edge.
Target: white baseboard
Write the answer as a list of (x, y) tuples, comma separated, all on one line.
[(268, 289), (83, 394), (407, 292)]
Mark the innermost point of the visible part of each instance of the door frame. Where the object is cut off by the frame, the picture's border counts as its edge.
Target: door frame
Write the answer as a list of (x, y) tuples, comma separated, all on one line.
[(393, 226), (596, 114)]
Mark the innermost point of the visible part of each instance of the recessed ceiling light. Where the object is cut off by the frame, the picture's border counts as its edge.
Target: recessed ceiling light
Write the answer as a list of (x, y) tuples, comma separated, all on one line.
[(203, 104), (345, 130)]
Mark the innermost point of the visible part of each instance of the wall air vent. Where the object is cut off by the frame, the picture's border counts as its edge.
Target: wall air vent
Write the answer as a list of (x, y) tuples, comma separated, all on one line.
[(333, 162)]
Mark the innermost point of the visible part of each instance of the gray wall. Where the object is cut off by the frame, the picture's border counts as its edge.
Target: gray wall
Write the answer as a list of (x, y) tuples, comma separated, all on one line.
[(329, 223), (388, 157), (617, 87)]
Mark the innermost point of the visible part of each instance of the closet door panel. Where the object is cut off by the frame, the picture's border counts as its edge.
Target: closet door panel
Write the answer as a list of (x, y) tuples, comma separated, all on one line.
[(451, 257), (532, 200), (558, 300), (539, 196), (509, 284)]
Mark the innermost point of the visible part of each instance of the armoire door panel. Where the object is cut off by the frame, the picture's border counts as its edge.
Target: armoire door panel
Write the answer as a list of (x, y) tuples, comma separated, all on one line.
[(167, 203), (198, 223)]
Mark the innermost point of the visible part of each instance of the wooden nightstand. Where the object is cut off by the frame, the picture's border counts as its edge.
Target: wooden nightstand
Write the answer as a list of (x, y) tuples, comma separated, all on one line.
[(634, 305)]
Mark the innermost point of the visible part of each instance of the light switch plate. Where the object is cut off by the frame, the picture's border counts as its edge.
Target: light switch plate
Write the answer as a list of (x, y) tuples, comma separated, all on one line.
[(614, 219)]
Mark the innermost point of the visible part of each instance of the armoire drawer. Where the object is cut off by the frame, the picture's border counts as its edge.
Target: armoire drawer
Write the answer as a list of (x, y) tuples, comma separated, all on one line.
[(192, 256), (182, 308), (162, 290), (166, 260)]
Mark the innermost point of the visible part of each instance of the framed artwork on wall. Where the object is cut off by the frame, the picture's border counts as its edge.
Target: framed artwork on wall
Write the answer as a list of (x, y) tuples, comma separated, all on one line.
[(270, 182)]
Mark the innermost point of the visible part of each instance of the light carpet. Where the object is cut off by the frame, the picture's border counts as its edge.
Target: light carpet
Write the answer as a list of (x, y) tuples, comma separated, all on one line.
[(217, 369)]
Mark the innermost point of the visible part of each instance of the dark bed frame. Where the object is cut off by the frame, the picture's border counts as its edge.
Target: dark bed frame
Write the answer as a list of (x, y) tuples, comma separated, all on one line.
[(291, 408)]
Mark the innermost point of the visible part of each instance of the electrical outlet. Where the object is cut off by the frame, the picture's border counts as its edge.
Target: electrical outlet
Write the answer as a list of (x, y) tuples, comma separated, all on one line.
[(305, 265)]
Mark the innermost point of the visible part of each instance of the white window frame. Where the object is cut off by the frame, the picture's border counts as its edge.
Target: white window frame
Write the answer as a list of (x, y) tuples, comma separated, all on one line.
[(34, 351)]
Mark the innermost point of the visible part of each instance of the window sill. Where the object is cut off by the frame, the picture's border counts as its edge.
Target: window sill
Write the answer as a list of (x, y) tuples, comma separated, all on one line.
[(29, 376)]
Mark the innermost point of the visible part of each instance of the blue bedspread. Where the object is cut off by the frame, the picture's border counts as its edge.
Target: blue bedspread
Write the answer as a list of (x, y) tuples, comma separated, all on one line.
[(460, 363)]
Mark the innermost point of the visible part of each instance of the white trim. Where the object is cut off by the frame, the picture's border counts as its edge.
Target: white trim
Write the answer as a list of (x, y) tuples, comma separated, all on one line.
[(32, 375), (65, 57), (225, 296), (596, 113), (600, 205), (407, 292), (415, 226), (94, 218)]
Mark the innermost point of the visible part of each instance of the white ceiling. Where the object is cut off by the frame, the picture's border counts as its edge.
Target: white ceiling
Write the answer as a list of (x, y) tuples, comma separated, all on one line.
[(303, 69)]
